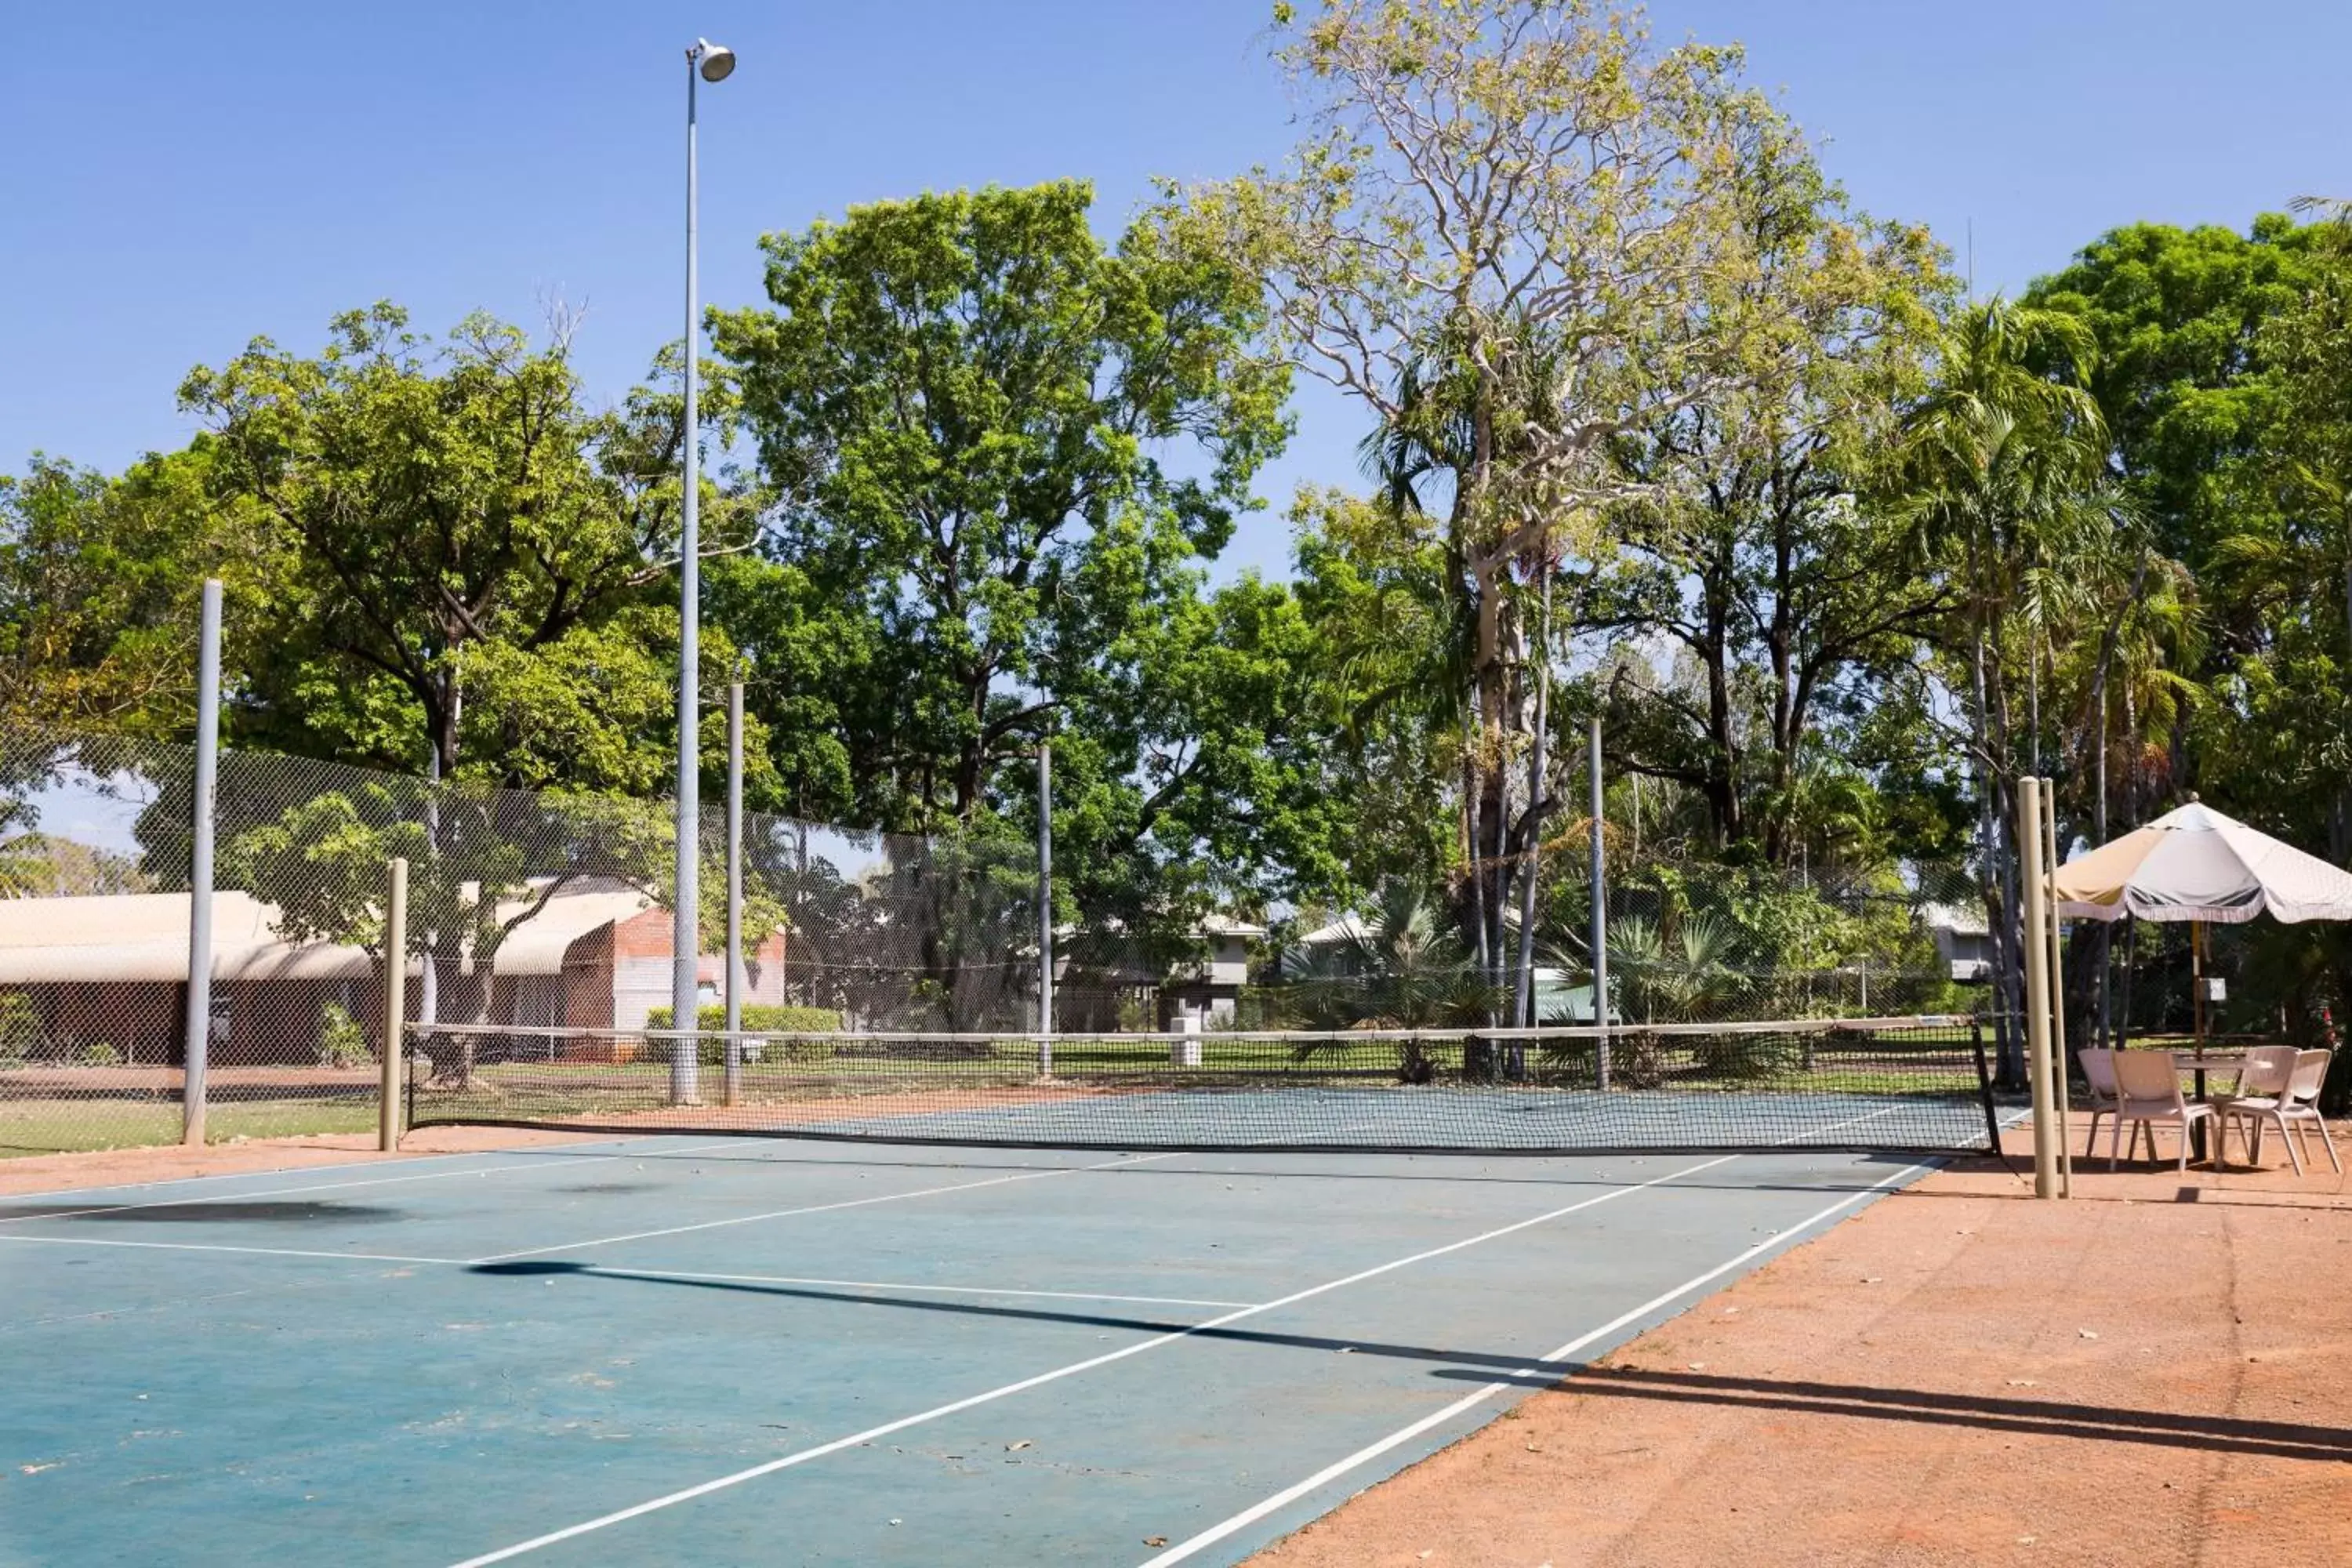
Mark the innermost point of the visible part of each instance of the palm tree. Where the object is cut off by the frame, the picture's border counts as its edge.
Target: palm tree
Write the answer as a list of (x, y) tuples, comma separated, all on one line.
[(1674, 976), (1402, 969), (1467, 412), (2007, 461)]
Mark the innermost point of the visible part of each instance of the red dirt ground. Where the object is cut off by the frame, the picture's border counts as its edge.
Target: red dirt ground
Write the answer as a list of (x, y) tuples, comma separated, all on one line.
[(2155, 1372)]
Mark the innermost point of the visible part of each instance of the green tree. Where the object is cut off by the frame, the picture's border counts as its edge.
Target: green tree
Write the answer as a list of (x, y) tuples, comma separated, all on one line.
[(1512, 234), (2007, 464), (1765, 543), (477, 556), (994, 444), (2179, 318), (482, 861), (1371, 584), (1191, 771), (1400, 968), (99, 582)]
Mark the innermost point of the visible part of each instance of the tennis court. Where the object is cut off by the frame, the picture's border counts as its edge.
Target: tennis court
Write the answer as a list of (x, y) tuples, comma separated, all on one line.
[(672, 1349)]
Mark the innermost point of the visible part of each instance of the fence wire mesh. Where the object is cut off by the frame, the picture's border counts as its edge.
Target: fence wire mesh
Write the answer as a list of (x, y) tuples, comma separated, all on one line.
[(538, 932), (526, 909)]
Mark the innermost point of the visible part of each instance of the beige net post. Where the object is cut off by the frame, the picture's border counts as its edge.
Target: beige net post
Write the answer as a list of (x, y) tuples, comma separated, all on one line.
[(2058, 1075), (2033, 880), (396, 976)]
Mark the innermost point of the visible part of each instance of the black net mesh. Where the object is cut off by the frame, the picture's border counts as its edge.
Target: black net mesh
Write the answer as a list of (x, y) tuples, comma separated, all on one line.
[(1908, 1083)]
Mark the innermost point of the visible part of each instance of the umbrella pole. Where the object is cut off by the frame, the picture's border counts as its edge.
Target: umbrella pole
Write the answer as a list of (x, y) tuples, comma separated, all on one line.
[(2196, 981)]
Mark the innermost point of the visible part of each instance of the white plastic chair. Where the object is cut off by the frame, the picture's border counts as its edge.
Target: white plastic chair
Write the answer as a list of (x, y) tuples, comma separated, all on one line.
[(2100, 1078), (2266, 1072), (2292, 1104), (2263, 1078), (2148, 1095)]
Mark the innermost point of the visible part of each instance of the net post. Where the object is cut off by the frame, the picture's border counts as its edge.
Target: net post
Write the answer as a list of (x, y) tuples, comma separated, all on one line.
[(2037, 988), (194, 1091), (396, 979), (1984, 1084), (2058, 1077), (1044, 909), (734, 1016), (1599, 919)]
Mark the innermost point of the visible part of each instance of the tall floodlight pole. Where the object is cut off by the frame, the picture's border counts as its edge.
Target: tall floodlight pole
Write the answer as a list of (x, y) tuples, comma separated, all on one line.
[(194, 1092), (708, 62), (1600, 915), (734, 893), (1044, 909)]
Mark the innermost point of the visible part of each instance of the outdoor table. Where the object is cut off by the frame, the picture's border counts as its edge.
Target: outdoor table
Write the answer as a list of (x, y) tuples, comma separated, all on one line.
[(2200, 1063)]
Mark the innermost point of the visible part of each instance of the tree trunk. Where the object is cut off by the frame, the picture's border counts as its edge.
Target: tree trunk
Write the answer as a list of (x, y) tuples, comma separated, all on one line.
[(1779, 646), (2341, 838), (1722, 749), (2104, 946), (1477, 883), (2009, 1053), (1524, 1012)]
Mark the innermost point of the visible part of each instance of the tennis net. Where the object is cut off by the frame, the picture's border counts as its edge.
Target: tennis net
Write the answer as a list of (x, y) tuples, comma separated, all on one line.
[(1912, 1084)]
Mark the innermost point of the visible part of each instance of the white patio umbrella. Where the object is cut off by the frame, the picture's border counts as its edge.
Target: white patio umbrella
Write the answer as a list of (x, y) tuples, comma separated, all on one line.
[(2195, 864)]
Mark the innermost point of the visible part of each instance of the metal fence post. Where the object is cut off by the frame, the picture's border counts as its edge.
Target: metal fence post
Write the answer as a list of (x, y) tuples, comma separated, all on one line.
[(1045, 910), (389, 1118), (1984, 1085), (1599, 919), (193, 1088), (734, 891)]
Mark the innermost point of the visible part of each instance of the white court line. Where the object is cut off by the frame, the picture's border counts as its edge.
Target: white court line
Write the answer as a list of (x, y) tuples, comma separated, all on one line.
[(822, 1208), (332, 1186), (1073, 1369), (1290, 1494), (631, 1271), (217, 1247)]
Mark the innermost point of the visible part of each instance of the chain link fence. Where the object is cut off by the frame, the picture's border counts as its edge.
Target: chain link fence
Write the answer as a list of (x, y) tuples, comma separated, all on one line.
[(528, 911), (538, 927)]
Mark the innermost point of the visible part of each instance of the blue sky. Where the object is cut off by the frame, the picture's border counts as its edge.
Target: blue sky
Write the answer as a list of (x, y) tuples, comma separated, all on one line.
[(181, 178)]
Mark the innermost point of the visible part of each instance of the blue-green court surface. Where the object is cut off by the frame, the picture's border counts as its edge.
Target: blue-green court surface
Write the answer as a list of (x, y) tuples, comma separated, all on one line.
[(669, 1349)]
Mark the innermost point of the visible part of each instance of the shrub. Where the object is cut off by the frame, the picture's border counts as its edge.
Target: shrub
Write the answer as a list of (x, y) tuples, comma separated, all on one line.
[(765, 1018), (1744, 1056), (341, 1042), (760, 1017), (102, 1054), (1637, 1061), (20, 1026)]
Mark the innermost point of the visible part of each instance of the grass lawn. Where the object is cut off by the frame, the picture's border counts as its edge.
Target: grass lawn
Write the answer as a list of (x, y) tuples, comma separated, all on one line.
[(71, 1126)]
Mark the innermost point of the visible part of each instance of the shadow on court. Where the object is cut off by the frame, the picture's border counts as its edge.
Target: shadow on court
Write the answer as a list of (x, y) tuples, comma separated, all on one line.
[(2105, 1423), (533, 1269), (2095, 1422)]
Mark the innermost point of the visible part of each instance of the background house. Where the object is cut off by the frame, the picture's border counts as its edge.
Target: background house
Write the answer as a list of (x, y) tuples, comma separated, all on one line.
[(1963, 939), (111, 971)]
